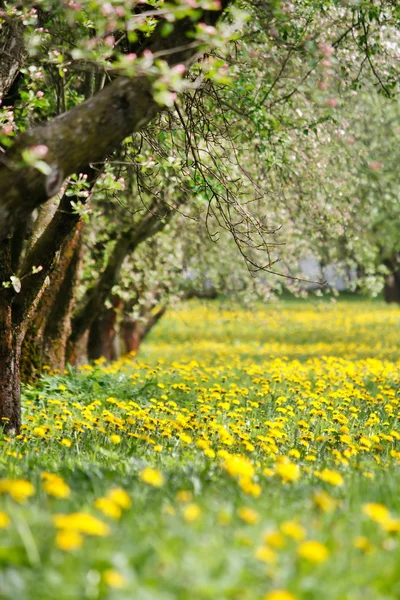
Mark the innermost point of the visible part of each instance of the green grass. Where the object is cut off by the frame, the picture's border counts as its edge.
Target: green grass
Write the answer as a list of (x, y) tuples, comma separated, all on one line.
[(265, 410)]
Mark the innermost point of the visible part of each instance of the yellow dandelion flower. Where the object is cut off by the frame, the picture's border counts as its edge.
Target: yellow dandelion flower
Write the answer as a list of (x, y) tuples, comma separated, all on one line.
[(114, 579), (4, 520), (279, 595), (376, 512), (238, 466), (191, 512), (39, 432), (288, 471), (108, 507), (19, 489), (115, 438), (55, 485), (120, 497), (248, 515), (81, 522), (313, 551), (325, 502), (152, 477), (332, 477), (293, 530), (66, 443), (267, 555), (275, 539), (362, 543), (184, 496), (67, 539)]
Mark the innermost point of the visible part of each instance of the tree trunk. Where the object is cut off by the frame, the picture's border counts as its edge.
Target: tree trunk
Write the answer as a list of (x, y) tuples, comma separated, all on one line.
[(103, 332), (134, 331), (50, 327), (58, 324), (12, 52), (10, 405), (391, 290), (90, 131)]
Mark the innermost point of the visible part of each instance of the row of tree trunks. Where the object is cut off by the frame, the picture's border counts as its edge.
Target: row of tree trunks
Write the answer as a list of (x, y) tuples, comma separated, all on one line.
[(115, 327)]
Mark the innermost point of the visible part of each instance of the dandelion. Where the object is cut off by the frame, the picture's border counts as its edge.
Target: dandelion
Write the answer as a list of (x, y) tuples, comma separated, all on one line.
[(376, 512), (81, 522), (191, 512), (19, 489), (114, 579), (69, 540), (332, 477), (115, 438), (279, 595), (120, 497), (152, 477), (4, 520), (108, 507), (313, 551), (55, 485), (288, 472), (293, 530), (265, 554), (248, 515)]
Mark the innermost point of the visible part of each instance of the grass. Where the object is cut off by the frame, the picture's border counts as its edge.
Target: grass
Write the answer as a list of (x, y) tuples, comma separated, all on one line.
[(243, 456)]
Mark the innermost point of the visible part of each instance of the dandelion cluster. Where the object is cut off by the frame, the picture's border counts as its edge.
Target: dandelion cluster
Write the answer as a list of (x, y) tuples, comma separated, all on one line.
[(252, 456)]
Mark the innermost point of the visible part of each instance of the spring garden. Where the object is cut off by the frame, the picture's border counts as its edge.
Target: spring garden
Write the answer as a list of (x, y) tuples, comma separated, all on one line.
[(199, 300), (242, 455)]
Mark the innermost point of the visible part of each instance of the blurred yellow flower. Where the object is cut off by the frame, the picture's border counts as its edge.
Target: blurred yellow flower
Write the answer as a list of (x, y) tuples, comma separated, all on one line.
[(376, 512), (248, 515), (108, 507), (55, 485), (19, 489), (120, 497), (191, 512), (332, 477), (4, 520), (69, 539), (114, 579), (115, 438), (82, 522), (279, 595), (288, 471), (313, 551), (152, 477), (294, 530)]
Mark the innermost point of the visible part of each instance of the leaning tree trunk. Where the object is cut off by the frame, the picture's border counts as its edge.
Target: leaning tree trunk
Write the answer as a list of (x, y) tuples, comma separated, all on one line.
[(58, 323), (134, 331)]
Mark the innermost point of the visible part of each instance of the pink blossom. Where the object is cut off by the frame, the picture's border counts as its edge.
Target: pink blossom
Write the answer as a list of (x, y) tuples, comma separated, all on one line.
[(109, 40), (39, 94), (180, 69), (375, 165), (7, 129), (326, 49), (39, 151), (332, 102), (107, 9)]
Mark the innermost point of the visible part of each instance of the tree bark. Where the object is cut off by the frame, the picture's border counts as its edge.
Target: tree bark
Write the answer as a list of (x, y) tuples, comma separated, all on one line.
[(12, 52), (10, 347), (103, 332), (134, 331), (58, 323), (89, 132), (391, 290)]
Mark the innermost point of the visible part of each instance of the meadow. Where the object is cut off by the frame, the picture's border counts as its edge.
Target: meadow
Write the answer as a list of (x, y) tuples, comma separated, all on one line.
[(244, 455)]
